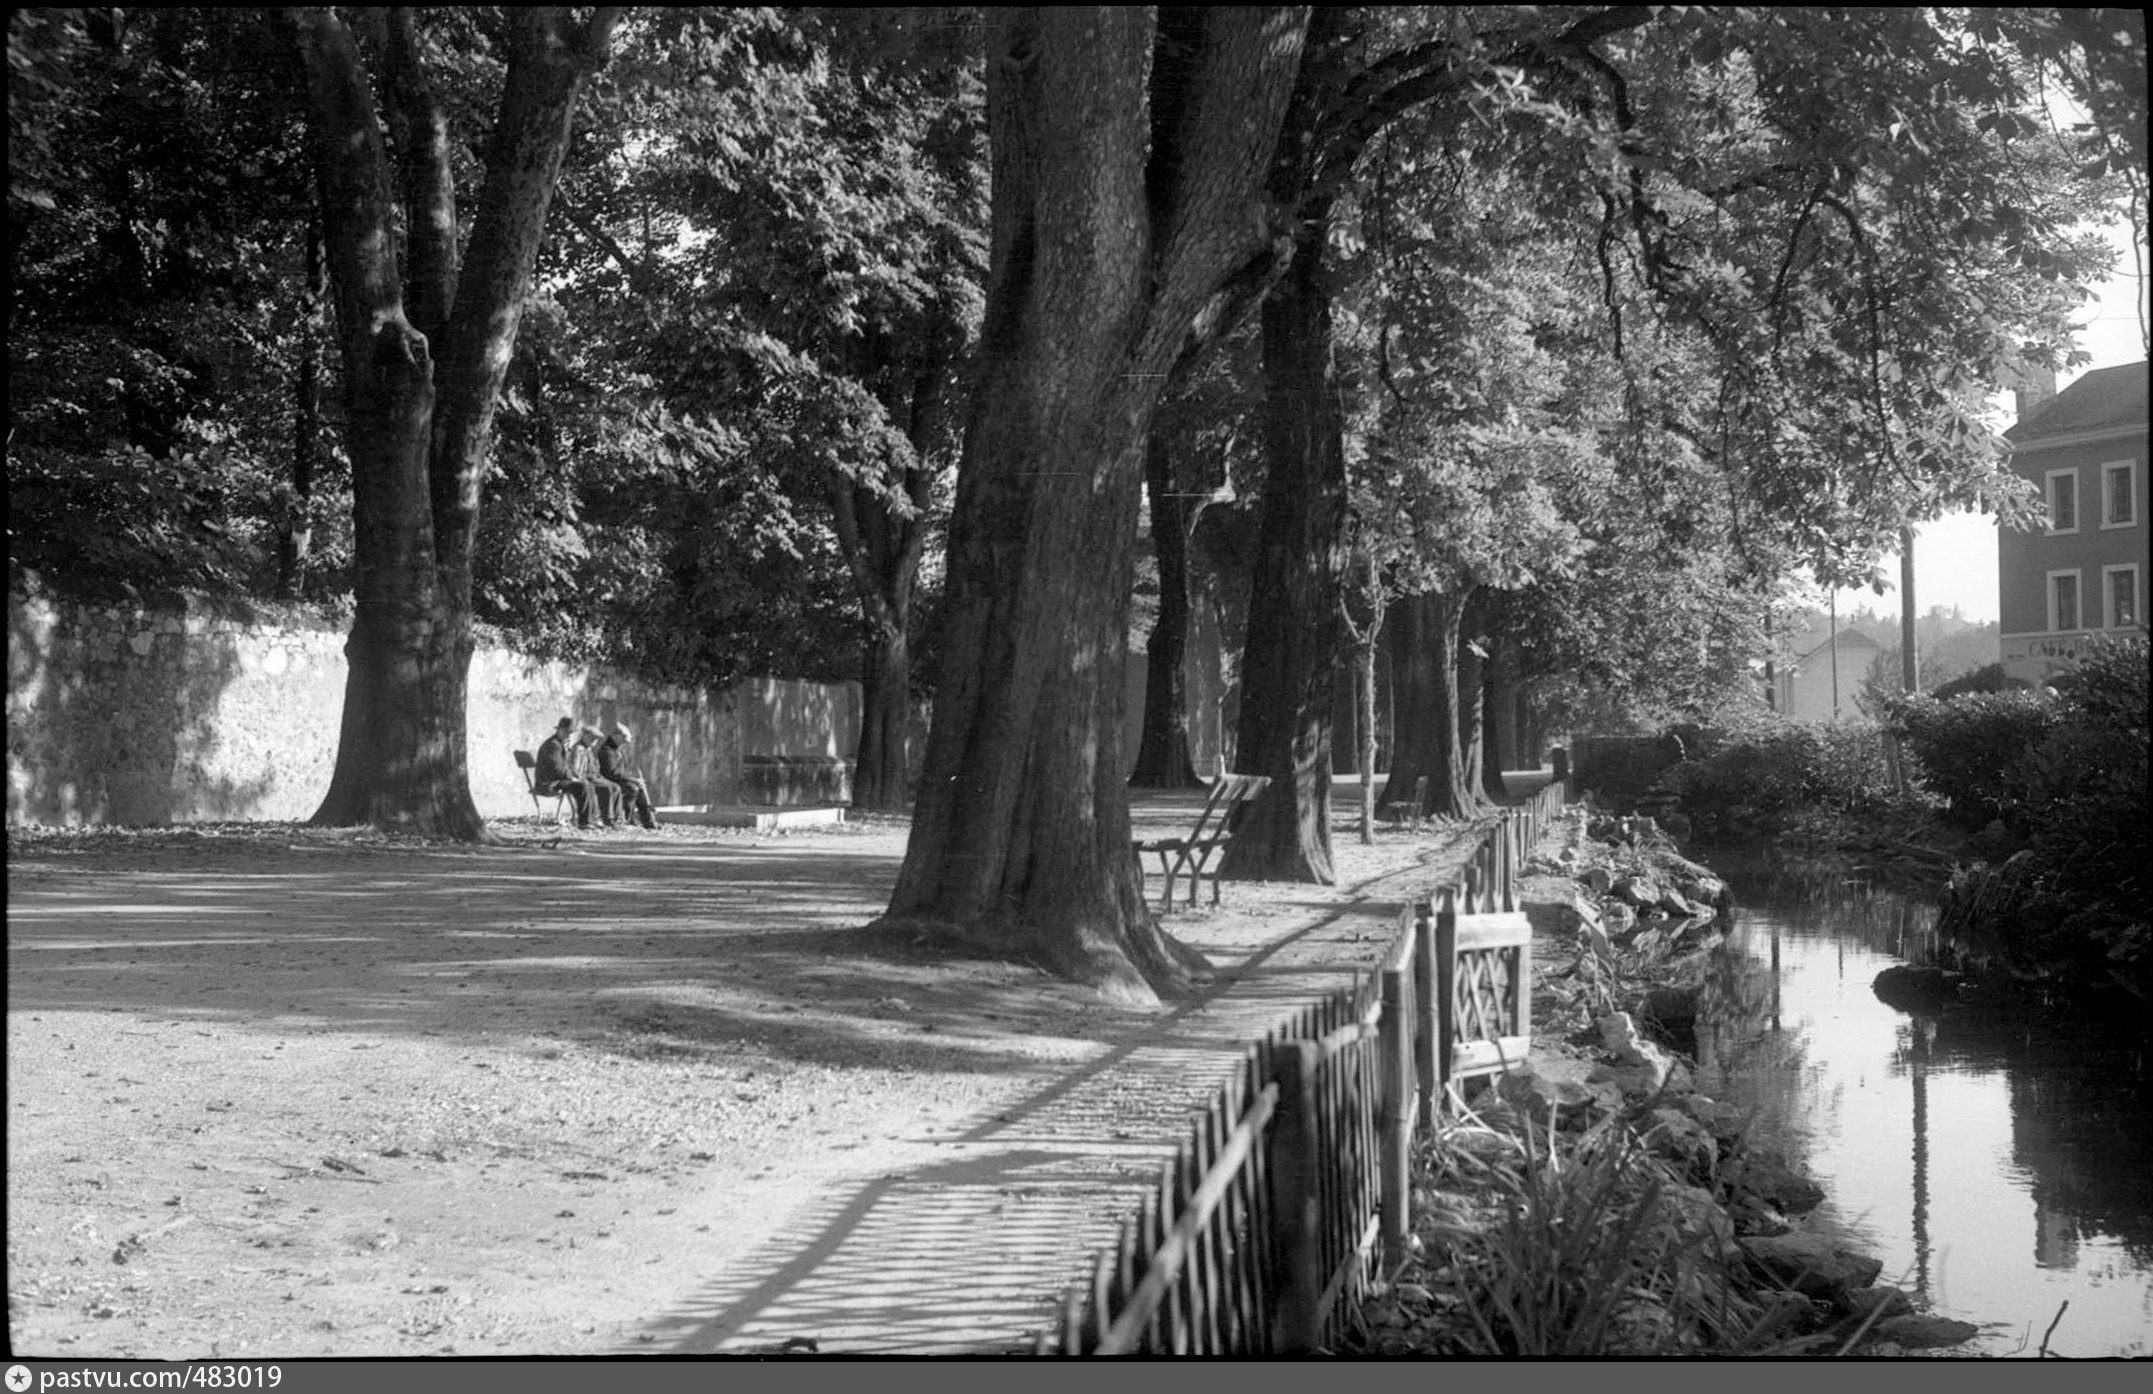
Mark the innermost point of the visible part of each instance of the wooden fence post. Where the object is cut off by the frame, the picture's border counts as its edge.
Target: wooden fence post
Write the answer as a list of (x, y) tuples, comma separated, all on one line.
[(1505, 867), (1396, 1042), (1446, 986), (1427, 1015), (1517, 859), (1294, 1175)]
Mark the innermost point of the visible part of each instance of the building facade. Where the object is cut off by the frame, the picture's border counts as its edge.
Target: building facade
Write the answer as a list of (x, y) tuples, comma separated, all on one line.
[(1820, 678), (2082, 576)]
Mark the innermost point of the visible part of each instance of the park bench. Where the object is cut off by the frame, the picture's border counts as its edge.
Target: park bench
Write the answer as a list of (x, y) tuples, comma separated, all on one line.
[(528, 763), (1413, 814), (1214, 829)]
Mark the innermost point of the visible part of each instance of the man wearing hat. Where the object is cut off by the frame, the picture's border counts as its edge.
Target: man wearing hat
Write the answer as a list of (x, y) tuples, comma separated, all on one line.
[(555, 776), (613, 766), (585, 767)]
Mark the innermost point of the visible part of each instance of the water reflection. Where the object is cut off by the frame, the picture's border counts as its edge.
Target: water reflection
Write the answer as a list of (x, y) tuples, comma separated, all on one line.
[(1997, 1154)]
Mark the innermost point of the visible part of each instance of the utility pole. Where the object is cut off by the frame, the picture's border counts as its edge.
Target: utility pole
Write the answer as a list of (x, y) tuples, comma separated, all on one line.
[(1832, 633), (1909, 655), (1909, 658)]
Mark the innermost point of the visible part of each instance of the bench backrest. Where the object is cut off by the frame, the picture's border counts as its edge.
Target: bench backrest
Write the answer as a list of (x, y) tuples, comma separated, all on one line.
[(1230, 795)]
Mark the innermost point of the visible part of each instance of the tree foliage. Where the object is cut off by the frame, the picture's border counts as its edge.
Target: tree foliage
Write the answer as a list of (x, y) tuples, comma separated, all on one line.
[(157, 306)]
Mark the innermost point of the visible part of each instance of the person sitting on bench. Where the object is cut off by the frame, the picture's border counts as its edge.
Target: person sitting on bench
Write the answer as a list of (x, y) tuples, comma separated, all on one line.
[(554, 774), (585, 767), (613, 766)]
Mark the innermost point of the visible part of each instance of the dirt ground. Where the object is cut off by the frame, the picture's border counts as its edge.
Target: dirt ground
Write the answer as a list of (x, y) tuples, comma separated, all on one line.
[(282, 1092)]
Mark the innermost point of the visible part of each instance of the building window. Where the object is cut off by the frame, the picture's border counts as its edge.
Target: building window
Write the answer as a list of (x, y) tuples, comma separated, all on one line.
[(2063, 500), (2121, 585), (2062, 601), (2119, 494)]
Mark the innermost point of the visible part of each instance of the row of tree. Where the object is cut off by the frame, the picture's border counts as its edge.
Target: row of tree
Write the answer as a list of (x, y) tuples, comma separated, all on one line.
[(1535, 344)]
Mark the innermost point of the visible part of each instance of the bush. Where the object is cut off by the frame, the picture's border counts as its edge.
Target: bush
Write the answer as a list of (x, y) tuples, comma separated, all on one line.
[(2085, 783), (1776, 768), (1989, 678), (1968, 750), (2107, 686), (2068, 770)]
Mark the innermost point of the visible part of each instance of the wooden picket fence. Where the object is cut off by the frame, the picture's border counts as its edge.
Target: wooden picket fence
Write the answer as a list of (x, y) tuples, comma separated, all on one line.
[(1293, 1189)]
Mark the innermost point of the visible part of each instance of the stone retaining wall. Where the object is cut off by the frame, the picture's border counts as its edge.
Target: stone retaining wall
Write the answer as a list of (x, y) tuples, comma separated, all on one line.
[(195, 711)]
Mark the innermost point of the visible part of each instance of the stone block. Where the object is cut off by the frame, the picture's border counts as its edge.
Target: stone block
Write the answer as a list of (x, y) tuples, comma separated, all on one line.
[(1920, 1332), (1813, 1264)]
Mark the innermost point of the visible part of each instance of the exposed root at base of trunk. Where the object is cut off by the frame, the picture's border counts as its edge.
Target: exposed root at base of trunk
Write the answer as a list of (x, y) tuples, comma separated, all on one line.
[(476, 834), (1141, 967)]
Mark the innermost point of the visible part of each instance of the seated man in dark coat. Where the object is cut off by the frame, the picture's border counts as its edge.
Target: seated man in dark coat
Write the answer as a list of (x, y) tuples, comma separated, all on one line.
[(554, 775), (613, 765)]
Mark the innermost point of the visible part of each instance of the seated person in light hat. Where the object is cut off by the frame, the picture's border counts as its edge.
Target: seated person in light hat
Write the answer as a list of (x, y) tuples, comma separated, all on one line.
[(604, 792), (613, 766)]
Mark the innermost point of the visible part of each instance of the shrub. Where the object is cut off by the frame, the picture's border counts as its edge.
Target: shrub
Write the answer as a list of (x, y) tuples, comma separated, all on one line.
[(1775, 768), (1968, 749), (2107, 686), (1988, 678), (2085, 784), (2069, 771)]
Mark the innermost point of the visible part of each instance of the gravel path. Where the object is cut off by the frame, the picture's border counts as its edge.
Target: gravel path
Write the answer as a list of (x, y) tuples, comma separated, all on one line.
[(274, 1091)]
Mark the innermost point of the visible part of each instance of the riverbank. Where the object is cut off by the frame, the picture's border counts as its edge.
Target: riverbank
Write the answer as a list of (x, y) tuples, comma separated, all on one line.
[(1595, 1202), (2004, 928)]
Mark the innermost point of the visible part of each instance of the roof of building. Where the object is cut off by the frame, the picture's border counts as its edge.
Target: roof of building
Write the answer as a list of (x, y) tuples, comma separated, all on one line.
[(1816, 641), (2104, 398)]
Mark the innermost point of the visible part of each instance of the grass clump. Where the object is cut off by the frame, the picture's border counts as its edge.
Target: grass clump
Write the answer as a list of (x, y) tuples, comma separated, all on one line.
[(1542, 1244)]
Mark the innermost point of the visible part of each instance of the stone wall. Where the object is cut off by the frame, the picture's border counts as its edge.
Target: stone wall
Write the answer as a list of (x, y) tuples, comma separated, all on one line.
[(197, 711)]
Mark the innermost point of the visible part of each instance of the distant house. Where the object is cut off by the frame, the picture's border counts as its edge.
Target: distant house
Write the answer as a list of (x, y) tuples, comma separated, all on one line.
[(2084, 574), (1812, 686)]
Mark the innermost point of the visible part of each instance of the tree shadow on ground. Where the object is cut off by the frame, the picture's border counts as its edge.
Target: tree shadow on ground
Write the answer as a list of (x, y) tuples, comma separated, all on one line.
[(679, 946), (672, 946)]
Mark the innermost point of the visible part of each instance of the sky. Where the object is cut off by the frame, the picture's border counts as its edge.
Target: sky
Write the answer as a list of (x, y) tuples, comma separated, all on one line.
[(1955, 556)]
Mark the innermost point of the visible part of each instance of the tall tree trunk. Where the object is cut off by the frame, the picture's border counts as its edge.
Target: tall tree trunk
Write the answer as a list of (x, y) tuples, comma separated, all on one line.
[(1428, 711), (1288, 669), (881, 772), (883, 547), (1499, 734), (883, 540), (1128, 148), (1364, 706), (1451, 791), (1162, 755), (1472, 698), (1413, 751), (425, 348)]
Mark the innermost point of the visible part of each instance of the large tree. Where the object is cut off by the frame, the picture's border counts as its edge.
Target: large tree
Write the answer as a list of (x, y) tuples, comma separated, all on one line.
[(780, 225), (1853, 214), (1194, 468), (1367, 70), (427, 319), (1129, 157)]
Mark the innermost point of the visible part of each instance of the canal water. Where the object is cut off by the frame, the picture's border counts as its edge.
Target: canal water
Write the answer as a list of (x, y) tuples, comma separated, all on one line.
[(1997, 1156)]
